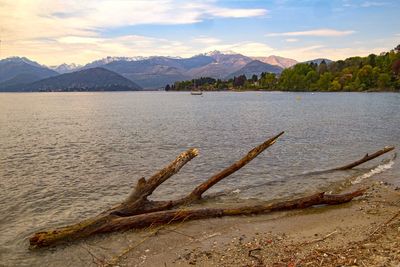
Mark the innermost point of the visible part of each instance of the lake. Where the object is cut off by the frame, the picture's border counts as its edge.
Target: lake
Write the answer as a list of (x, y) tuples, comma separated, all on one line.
[(67, 156)]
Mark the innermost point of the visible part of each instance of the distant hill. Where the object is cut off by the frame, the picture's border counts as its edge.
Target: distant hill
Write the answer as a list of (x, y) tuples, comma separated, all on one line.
[(155, 72), (149, 73), (221, 66), (152, 72), (318, 61), (20, 80), (95, 79), (17, 70), (277, 61), (255, 67)]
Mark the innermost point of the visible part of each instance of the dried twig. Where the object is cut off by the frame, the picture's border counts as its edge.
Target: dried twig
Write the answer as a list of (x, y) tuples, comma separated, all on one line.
[(384, 224), (319, 239)]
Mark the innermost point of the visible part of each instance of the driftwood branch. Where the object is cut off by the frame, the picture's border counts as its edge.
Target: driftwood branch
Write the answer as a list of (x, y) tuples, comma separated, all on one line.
[(137, 211), (135, 205), (366, 158), (356, 163), (198, 191), (137, 202), (145, 188), (116, 223)]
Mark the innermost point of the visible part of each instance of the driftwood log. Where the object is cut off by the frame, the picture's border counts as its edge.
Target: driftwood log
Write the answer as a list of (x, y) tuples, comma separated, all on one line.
[(356, 163), (137, 211), (117, 223)]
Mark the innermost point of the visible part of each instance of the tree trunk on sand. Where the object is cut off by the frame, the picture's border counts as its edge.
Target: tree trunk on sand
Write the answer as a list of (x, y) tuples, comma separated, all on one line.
[(116, 223), (137, 211)]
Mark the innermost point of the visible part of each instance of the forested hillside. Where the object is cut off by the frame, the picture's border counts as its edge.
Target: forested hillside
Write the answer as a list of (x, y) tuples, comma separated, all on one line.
[(374, 72)]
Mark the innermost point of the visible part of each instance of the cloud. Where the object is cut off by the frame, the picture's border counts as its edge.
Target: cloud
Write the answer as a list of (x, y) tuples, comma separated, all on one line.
[(82, 50), (372, 4), (291, 40), (40, 29), (48, 18), (236, 13), (206, 40), (316, 32), (320, 51), (365, 4)]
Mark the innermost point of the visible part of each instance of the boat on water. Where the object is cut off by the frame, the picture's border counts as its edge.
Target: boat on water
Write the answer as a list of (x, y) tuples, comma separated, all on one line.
[(196, 92)]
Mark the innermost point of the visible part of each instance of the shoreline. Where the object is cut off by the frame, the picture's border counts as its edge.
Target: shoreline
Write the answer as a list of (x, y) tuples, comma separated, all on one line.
[(344, 234), (204, 91)]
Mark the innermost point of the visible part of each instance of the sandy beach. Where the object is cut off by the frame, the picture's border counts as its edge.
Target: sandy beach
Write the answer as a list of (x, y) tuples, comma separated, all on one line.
[(364, 232)]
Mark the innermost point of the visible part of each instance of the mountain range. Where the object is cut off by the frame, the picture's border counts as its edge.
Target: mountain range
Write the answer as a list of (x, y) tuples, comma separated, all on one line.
[(16, 70), (132, 73)]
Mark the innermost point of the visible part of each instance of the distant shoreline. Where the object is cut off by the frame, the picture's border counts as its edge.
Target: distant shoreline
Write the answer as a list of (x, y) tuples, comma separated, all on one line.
[(216, 91)]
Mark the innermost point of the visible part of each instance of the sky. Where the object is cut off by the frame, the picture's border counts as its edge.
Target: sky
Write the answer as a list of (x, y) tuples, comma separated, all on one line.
[(54, 32)]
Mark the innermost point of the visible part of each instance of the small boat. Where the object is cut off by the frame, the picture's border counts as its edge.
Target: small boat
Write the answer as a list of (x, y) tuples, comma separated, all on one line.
[(196, 92)]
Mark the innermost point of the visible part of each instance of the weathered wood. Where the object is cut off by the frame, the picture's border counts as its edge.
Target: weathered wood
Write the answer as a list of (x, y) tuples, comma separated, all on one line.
[(135, 205), (199, 190), (138, 212), (145, 188), (366, 158), (116, 223), (137, 201), (356, 163)]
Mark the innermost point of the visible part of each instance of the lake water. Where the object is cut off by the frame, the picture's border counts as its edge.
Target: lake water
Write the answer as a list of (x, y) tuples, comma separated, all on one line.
[(67, 156)]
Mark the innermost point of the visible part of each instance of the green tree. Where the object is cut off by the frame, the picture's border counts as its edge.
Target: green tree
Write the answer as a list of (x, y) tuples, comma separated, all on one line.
[(335, 86), (366, 76), (269, 81), (324, 81), (311, 80), (322, 68), (383, 81)]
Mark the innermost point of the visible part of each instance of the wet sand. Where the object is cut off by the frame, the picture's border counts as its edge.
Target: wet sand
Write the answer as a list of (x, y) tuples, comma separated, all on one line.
[(364, 232)]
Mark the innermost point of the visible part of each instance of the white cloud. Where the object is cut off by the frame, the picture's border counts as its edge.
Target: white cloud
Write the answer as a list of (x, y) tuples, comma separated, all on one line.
[(320, 51), (372, 4), (83, 49), (48, 18), (236, 13), (316, 32), (365, 4), (291, 40), (206, 40), (40, 29)]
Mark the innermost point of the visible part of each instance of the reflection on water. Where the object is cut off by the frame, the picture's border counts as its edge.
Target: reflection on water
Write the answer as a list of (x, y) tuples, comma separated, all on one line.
[(66, 156)]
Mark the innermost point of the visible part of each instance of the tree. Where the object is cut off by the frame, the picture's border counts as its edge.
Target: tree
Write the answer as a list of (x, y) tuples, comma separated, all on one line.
[(397, 48), (311, 78), (383, 81), (239, 81), (396, 67), (322, 68), (167, 87), (254, 78), (366, 76), (371, 60), (269, 81), (324, 81), (335, 86)]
